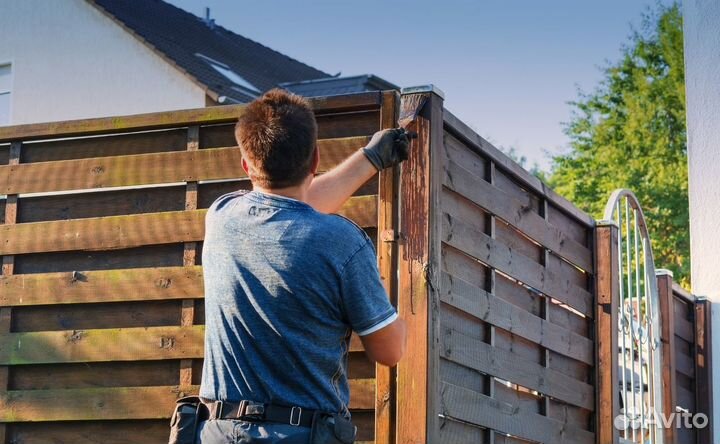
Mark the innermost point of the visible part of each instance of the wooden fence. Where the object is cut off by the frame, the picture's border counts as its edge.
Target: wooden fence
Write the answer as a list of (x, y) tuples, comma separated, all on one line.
[(686, 348), (505, 322), (101, 325), (501, 281)]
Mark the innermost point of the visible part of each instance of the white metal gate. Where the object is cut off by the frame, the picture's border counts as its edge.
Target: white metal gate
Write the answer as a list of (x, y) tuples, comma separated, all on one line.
[(639, 346)]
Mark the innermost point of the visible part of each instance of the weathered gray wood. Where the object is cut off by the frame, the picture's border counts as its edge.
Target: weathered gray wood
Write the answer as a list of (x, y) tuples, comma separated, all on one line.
[(459, 128), (466, 405), (509, 366), (502, 314), (481, 246), (516, 213), (454, 432)]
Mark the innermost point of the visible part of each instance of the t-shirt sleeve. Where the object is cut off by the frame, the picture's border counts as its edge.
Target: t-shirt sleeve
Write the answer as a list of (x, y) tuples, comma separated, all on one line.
[(366, 304)]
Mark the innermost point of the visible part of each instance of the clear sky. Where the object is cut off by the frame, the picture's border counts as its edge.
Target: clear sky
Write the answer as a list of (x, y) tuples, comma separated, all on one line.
[(507, 67)]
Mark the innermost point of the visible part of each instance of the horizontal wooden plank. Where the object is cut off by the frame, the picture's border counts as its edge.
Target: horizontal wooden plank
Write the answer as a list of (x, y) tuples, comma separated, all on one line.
[(103, 146), (516, 214), (167, 255), (103, 233), (475, 408), (488, 250), (146, 169), (502, 314), (683, 327), (684, 364), (508, 365), (115, 232), (94, 374), (463, 131), (686, 399), (63, 317), (102, 345), (682, 294), (454, 432), (154, 431), (89, 404), (107, 345), (171, 119), (134, 284)]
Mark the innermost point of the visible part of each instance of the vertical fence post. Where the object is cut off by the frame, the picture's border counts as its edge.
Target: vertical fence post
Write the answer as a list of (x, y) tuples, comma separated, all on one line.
[(703, 361), (187, 314), (667, 337), (8, 268), (387, 263), (417, 372), (607, 283)]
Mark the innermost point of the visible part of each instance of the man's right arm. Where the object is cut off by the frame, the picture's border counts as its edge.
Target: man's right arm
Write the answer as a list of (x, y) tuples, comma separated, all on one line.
[(368, 308), (329, 191), (387, 345)]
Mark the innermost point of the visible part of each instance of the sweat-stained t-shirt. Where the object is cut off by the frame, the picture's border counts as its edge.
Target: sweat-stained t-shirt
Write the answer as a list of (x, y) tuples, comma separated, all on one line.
[(284, 287)]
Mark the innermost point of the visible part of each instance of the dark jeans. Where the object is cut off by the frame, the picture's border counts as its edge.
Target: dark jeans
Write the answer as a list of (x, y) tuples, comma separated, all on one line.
[(231, 431)]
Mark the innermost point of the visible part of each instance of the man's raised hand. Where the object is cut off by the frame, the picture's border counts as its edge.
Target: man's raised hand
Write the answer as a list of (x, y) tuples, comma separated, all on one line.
[(388, 147)]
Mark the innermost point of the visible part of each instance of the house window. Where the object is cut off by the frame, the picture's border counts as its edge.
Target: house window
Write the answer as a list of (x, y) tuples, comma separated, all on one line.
[(4, 94), (229, 74)]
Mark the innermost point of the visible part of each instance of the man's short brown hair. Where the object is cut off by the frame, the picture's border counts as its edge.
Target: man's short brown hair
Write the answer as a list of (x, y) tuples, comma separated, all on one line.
[(277, 133)]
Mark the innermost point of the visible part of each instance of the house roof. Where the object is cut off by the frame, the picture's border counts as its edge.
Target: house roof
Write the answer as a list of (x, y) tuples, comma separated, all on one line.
[(331, 86), (222, 62)]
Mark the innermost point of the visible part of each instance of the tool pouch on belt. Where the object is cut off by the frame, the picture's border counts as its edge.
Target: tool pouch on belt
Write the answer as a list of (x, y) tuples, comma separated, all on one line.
[(332, 429), (185, 419)]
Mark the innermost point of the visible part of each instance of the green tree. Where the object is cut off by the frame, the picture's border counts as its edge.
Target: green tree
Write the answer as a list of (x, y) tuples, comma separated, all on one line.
[(630, 133)]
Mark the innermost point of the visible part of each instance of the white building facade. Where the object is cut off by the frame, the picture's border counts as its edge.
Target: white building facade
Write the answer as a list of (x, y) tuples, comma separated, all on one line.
[(702, 77), (62, 60)]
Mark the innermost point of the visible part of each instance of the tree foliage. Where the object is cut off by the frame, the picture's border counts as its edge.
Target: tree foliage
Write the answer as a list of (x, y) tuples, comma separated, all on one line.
[(630, 133)]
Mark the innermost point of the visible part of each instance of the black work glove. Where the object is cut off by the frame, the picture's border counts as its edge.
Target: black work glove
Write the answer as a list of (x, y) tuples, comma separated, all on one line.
[(388, 147)]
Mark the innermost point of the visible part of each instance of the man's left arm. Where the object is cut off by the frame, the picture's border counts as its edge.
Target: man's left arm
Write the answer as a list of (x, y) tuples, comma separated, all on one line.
[(328, 192)]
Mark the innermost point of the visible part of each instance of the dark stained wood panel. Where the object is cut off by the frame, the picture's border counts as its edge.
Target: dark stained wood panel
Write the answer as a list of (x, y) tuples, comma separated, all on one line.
[(105, 146), (168, 255)]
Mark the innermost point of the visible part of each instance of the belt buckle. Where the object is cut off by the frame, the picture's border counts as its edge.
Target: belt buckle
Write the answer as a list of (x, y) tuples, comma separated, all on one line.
[(218, 409), (292, 415), (241, 409)]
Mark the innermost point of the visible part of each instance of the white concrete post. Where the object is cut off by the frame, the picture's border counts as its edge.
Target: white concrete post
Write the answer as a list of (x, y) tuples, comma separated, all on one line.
[(702, 74)]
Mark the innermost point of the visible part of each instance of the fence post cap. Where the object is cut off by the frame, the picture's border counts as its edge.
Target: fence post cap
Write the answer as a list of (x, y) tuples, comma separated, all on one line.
[(663, 272), (429, 88), (607, 223)]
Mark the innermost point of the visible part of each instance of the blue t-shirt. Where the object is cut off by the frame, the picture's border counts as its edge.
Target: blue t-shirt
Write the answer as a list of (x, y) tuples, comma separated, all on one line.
[(284, 287)]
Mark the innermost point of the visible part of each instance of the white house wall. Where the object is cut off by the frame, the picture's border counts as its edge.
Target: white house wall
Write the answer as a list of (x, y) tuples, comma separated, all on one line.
[(702, 78), (70, 61)]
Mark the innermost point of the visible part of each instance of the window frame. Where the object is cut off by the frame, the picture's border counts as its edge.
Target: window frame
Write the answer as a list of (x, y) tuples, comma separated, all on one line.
[(9, 92)]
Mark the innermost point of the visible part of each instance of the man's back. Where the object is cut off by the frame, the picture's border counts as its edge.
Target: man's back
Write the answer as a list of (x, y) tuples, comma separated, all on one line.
[(284, 287)]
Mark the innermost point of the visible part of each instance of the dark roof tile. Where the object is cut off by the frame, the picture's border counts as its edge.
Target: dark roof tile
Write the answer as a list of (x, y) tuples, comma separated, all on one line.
[(180, 36)]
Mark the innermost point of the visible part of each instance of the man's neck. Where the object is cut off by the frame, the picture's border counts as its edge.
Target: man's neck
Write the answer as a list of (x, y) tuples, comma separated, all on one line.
[(296, 192)]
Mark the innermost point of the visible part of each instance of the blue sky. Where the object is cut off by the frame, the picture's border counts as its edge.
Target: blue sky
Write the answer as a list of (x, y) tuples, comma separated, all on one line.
[(508, 68)]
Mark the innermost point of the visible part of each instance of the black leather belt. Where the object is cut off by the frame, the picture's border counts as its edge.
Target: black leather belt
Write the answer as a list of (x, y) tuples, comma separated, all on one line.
[(259, 412)]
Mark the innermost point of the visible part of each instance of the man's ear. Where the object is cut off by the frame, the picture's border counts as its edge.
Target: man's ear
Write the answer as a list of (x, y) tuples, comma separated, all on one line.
[(315, 161), (245, 167)]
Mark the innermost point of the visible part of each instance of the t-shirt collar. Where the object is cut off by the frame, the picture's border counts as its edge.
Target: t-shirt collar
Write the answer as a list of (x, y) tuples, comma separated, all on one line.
[(275, 200)]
